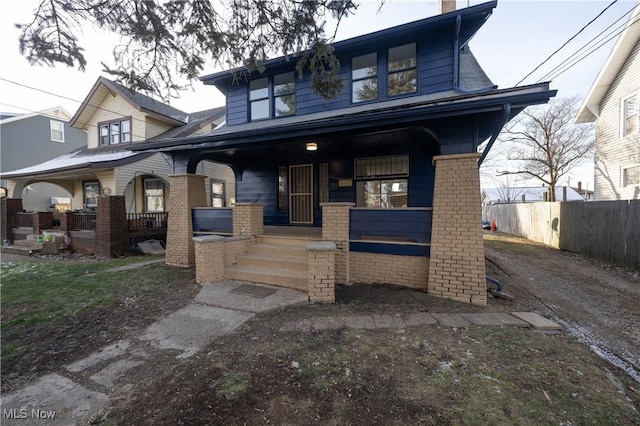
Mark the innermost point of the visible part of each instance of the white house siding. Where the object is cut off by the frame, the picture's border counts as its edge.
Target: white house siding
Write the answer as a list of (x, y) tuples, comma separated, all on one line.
[(111, 108), (613, 152), (154, 165), (154, 127)]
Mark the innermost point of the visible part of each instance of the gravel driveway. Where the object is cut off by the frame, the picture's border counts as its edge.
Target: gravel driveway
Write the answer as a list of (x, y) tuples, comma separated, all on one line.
[(597, 302)]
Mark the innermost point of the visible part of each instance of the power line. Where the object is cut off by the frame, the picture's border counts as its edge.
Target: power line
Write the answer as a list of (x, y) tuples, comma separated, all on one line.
[(567, 42)]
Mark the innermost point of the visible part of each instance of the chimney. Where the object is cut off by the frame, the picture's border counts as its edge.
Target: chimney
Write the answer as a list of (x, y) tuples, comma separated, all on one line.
[(447, 6), (579, 187)]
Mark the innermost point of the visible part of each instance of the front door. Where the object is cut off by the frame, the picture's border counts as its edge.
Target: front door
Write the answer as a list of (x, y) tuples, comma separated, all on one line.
[(301, 195)]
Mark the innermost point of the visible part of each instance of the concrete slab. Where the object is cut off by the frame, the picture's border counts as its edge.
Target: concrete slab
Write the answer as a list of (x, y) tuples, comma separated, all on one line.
[(220, 294), (108, 352), (537, 321), (388, 321), (192, 327), (326, 323), (52, 400), (151, 247), (494, 320), (108, 376), (365, 322), (451, 320), (418, 319)]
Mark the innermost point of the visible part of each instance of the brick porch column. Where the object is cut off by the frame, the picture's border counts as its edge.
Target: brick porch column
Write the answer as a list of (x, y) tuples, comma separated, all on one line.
[(42, 221), (65, 222), (335, 227), (8, 207), (209, 252), (248, 219), (187, 191), (321, 271), (112, 233), (456, 264)]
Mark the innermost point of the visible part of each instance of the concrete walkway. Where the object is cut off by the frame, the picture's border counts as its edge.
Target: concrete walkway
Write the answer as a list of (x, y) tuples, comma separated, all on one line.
[(81, 393)]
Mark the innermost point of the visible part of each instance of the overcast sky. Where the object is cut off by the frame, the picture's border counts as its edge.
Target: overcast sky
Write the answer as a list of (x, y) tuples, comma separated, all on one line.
[(516, 38)]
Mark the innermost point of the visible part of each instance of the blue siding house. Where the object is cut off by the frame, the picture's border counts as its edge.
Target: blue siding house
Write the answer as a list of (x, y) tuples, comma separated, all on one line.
[(397, 150)]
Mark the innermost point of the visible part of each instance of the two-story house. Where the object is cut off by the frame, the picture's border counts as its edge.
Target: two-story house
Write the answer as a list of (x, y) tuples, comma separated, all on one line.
[(30, 139), (388, 170), (613, 103), (113, 119)]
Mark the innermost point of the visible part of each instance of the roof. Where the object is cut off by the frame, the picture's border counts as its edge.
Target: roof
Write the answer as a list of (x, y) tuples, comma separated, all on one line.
[(83, 158), (590, 108), (392, 111), (195, 121), (55, 112), (140, 102), (472, 19), (531, 194)]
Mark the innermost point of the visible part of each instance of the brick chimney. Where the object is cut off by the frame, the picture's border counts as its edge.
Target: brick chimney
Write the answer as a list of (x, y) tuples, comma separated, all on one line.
[(447, 6)]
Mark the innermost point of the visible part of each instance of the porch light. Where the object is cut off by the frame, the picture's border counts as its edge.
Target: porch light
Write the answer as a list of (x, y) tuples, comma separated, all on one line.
[(312, 146)]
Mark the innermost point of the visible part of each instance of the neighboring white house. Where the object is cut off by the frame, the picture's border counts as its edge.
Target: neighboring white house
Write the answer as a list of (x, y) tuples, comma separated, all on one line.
[(613, 103), (526, 195)]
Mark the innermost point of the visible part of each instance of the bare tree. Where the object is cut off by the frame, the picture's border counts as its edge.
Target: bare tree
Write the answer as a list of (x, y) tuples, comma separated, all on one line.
[(545, 143), (162, 39)]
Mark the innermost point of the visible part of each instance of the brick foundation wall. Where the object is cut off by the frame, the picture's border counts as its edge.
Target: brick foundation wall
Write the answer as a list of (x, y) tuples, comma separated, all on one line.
[(112, 233), (335, 227), (82, 242), (456, 265), (187, 191), (248, 219), (374, 268), (322, 271)]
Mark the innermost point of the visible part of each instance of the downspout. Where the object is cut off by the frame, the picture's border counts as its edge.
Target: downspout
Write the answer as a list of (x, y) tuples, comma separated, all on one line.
[(506, 113), (456, 53)]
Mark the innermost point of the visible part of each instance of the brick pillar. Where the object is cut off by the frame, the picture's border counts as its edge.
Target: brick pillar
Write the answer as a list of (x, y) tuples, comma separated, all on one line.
[(456, 264), (209, 253), (112, 233), (322, 271), (248, 219), (66, 222), (335, 227), (42, 221), (8, 207), (187, 191)]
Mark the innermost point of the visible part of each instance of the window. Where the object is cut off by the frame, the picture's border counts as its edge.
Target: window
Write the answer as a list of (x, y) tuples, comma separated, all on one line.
[(90, 194), (283, 188), (364, 78), (217, 194), (402, 77), (323, 182), (631, 176), (630, 116), (114, 132), (382, 181), (57, 130), (284, 94), (278, 103), (153, 195)]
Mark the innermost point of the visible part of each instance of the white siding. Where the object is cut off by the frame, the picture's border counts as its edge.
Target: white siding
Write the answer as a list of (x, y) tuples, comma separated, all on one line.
[(220, 172), (114, 107), (155, 127), (613, 152)]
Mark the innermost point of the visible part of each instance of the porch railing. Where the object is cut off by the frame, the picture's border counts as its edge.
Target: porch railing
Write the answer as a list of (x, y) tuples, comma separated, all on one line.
[(212, 219), (23, 220), (83, 221), (137, 221)]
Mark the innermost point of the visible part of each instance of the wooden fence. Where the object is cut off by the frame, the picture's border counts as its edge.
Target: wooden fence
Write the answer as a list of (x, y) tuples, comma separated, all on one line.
[(607, 230)]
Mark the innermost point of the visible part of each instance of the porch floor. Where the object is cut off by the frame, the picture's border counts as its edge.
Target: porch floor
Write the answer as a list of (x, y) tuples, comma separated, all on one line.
[(293, 231)]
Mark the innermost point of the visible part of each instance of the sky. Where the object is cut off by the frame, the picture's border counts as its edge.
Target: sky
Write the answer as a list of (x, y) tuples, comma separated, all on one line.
[(517, 37)]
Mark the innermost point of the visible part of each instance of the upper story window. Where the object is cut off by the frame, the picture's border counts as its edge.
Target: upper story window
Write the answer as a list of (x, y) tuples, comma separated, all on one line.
[(364, 78), (272, 97), (114, 132), (630, 116), (57, 130), (402, 70)]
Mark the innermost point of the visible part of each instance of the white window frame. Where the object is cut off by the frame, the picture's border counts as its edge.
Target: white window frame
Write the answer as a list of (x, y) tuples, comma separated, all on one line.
[(145, 196), (623, 175), (623, 117), (52, 123)]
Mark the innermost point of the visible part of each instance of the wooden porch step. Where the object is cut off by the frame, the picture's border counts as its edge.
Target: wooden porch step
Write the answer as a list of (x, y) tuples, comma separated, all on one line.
[(275, 261), (277, 250), (265, 275)]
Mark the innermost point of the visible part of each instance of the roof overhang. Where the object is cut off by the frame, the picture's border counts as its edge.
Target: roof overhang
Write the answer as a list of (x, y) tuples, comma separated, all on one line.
[(590, 108), (396, 113), (55, 113)]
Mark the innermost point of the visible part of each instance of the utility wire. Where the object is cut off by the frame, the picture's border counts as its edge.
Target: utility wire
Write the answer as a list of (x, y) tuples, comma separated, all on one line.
[(589, 53), (567, 42)]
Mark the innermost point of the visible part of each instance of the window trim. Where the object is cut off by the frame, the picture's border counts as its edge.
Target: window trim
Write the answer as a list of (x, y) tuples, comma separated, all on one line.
[(144, 195), (376, 77), (108, 124), (282, 196), (51, 130), (623, 118), (223, 196), (271, 97), (84, 194), (623, 175), (389, 72)]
